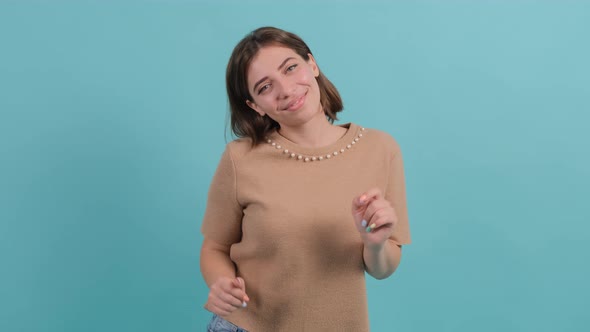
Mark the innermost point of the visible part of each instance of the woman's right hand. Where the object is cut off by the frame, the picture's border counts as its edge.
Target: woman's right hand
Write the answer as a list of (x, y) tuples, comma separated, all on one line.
[(226, 296)]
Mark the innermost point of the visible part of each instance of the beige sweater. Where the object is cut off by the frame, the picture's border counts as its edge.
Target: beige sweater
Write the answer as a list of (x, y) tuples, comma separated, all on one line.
[(291, 231)]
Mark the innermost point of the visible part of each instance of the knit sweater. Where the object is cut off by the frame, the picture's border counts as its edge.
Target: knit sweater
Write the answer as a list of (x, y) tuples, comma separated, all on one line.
[(291, 231)]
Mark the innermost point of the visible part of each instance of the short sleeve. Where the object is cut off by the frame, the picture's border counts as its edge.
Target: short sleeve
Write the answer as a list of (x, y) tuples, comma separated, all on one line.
[(223, 215), (396, 194)]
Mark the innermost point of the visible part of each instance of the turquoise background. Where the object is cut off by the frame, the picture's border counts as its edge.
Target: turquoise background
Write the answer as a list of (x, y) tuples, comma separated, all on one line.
[(112, 120)]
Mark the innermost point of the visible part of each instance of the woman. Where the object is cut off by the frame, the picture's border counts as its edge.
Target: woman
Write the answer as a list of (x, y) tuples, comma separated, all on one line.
[(299, 208)]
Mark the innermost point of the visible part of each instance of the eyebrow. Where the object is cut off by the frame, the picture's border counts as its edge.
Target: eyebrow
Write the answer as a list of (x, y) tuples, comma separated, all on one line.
[(265, 77)]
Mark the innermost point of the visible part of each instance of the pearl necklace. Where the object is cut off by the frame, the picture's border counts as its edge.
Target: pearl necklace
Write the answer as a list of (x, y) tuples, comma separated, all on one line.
[(307, 158)]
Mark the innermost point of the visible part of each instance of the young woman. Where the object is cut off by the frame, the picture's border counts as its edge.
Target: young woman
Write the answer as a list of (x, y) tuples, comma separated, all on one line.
[(299, 208)]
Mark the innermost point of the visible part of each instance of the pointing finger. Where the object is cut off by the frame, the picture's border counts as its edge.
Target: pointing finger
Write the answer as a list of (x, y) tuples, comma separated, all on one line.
[(242, 286), (373, 193)]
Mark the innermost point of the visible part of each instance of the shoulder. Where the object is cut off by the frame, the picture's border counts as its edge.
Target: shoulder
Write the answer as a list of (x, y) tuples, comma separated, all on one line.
[(381, 139), (240, 148)]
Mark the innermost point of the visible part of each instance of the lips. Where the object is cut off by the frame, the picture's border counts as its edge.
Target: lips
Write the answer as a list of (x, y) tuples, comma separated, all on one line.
[(296, 103)]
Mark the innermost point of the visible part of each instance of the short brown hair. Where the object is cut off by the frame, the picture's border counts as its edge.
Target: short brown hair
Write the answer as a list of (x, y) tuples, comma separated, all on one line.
[(245, 122)]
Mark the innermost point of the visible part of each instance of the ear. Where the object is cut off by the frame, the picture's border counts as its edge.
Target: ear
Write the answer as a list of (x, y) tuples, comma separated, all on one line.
[(255, 107), (314, 65)]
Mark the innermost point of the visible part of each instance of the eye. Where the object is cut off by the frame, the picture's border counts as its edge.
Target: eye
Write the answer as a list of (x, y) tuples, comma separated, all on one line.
[(264, 88), (291, 67)]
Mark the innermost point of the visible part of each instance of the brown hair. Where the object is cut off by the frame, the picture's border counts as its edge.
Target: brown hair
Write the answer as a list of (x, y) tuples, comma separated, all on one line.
[(245, 122)]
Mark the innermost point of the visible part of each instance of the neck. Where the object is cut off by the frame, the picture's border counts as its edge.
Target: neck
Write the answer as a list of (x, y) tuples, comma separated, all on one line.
[(316, 133)]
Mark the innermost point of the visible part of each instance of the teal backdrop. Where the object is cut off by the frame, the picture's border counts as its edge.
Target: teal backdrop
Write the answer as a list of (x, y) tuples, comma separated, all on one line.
[(113, 119)]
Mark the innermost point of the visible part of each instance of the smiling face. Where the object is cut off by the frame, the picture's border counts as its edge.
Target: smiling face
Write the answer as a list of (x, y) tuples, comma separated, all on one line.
[(283, 86)]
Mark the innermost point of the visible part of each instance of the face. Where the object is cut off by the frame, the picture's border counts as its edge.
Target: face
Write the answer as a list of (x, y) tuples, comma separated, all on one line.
[(283, 86)]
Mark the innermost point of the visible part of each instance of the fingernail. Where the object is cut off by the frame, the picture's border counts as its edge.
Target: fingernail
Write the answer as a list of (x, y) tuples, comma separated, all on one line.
[(244, 304), (363, 198), (364, 223), (370, 228)]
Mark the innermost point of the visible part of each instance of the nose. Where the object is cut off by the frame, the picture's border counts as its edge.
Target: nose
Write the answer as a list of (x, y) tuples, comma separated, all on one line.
[(286, 88)]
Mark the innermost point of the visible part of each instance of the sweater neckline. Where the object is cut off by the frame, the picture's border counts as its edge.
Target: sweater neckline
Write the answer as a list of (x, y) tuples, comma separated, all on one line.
[(346, 139)]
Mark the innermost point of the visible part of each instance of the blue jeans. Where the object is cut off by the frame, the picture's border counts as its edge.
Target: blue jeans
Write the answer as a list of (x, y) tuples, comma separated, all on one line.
[(218, 324)]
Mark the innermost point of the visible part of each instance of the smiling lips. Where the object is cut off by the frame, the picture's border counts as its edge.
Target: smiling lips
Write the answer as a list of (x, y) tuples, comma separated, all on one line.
[(295, 104)]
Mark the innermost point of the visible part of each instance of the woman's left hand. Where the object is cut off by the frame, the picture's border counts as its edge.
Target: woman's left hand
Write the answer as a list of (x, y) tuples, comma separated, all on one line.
[(374, 218)]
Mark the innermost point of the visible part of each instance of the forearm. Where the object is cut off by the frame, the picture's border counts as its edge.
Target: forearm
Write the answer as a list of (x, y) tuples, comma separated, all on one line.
[(216, 263), (381, 262)]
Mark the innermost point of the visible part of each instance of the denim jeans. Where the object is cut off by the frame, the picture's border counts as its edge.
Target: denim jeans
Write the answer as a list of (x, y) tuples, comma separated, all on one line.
[(218, 324)]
